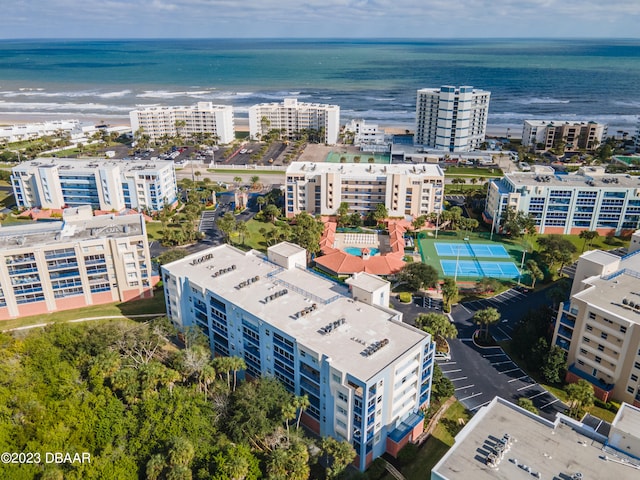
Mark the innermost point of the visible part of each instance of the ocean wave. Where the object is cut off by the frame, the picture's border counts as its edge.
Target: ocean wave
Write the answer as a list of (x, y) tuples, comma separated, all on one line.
[(627, 103), (61, 107), (120, 94), (539, 100), (171, 94), (378, 114), (379, 99)]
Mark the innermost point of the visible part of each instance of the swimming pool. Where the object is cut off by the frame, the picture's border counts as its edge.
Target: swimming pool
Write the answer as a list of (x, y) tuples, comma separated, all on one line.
[(356, 251)]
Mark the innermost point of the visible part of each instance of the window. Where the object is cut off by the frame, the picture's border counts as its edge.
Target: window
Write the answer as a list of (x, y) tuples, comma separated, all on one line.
[(342, 396), (585, 340), (598, 359), (630, 390), (589, 328), (637, 365), (623, 329), (601, 348), (603, 335), (592, 315), (336, 378), (634, 378), (583, 351)]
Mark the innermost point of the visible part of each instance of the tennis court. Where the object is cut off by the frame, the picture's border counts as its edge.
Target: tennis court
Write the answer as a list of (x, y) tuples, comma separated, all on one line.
[(470, 268), (470, 250)]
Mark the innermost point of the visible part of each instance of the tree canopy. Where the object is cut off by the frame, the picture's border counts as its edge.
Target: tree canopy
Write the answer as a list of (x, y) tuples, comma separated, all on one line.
[(418, 275)]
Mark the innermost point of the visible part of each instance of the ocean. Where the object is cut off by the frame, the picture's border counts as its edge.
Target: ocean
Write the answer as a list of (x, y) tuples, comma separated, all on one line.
[(371, 79)]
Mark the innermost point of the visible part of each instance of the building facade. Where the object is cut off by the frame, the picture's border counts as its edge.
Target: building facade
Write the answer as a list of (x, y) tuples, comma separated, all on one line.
[(599, 327), (80, 261), (451, 119), (292, 118), (589, 199), (204, 117), (366, 373), (110, 185), (505, 442), (320, 188), (364, 133), (574, 135), (28, 131)]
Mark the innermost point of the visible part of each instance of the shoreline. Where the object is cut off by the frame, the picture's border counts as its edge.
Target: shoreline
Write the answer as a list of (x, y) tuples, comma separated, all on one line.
[(241, 124)]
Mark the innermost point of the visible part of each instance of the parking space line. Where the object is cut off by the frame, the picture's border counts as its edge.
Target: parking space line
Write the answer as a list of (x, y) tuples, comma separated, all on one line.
[(550, 403), (462, 388), (465, 308), (538, 394), (446, 364), (494, 355), (527, 386), (509, 371), (480, 406), (452, 371), (516, 379), (470, 396), (505, 333), (456, 379), (501, 363)]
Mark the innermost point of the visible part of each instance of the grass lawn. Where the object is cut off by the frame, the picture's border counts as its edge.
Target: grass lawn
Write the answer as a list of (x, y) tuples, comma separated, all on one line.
[(463, 188), (154, 230), (134, 307), (253, 238), (244, 171), (599, 243), (475, 171), (437, 445)]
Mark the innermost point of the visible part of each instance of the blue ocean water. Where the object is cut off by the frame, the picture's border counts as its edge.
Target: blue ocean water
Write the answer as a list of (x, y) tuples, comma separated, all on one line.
[(376, 80)]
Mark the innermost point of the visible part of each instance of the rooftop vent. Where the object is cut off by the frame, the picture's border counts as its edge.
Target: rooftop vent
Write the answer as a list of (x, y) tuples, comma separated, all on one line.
[(247, 282), (306, 311), (330, 327), (222, 271), (374, 347), (273, 296)]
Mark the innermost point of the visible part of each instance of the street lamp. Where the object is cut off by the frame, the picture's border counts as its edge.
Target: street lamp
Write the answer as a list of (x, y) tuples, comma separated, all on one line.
[(493, 221), (455, 275), (437, 223)]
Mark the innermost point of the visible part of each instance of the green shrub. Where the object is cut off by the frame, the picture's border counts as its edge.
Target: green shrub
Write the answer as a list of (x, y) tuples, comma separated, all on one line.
[(405, 297), (408, 453)]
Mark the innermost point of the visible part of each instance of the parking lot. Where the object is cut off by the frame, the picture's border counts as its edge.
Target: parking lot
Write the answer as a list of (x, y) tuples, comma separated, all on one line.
[(479, 374), (501, 331)]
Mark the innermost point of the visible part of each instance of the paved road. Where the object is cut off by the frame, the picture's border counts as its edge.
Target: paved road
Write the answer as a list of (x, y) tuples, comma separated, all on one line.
[(479, 374)]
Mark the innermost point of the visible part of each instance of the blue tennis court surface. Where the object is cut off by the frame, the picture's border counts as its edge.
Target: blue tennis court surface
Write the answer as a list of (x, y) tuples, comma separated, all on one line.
[(470, 250), (470, 268)]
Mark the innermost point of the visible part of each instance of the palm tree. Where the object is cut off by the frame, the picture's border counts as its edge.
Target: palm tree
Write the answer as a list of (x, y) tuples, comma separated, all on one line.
[(485, 318), (536, 273), (236, 364), (237, 180), (588, 236), (301, 403), (242, 229), (255, 180), (260, 201), (449, 292), (288, 414)]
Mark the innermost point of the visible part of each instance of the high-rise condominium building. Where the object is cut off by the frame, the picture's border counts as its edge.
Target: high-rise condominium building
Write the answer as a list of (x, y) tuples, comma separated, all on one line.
[(505, 442), (204, 117), (366, 373), (320, 188), (293, 118), (545, 134), (80, 261), (451, 119), (589, 199), (599, 327), (103, 184)]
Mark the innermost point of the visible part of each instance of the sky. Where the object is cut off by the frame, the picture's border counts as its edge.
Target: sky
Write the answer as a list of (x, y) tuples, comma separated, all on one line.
[(320, 19)]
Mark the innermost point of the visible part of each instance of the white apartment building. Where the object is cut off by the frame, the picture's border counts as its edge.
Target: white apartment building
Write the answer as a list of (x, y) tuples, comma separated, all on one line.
[(293, 117), (28, 131), (320, 188), (544, 134), (589, 199), (110, 185), (365, 372), (80, 261), (599, 327), (365, 134), (204, 117), (505, 442), (451, 119)]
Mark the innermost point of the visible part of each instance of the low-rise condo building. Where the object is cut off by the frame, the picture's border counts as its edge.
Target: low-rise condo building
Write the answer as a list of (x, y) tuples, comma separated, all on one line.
[(28, 131), (545, 134), (451, 119), (201, 118), (80, 261), (599, 327), (320, 188), (293, 118), (505, 442), (364, 133), (111, 185), (589, 199), (366, 374)]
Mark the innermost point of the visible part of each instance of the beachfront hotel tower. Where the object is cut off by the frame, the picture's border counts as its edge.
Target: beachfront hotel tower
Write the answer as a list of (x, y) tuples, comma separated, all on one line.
[(292, 118), (110, 185), (201, 118), (451, 119), (599, 326), (366, 373), (320, 188), (80, 261)]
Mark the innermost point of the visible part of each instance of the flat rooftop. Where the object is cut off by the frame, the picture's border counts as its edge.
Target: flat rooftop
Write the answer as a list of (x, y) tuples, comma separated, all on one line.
[(555, 450), (608, 292), (628, 420), (594, 180), (365, 169), (52, 233), (90, 164), (363, 324)]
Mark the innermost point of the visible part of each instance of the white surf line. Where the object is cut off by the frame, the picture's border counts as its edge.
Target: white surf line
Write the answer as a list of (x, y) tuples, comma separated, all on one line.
[(550, 403), (452, 371), (537, 394), (516, 379), (527, 386), (463, 388), (501, 363), (457, 379), (470, 396), (480, 406), (509, 371), (494, 355)]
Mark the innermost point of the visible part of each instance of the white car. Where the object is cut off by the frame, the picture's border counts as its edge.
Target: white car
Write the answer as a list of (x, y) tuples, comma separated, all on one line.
[(442, 356)]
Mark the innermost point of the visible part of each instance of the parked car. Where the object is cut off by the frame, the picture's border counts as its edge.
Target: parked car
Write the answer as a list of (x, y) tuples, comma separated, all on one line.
[(443, 356)]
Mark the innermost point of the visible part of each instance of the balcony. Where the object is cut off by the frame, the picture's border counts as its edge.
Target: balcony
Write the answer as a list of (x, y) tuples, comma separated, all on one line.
[(565, 332), (566, 320), (562, 343)]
